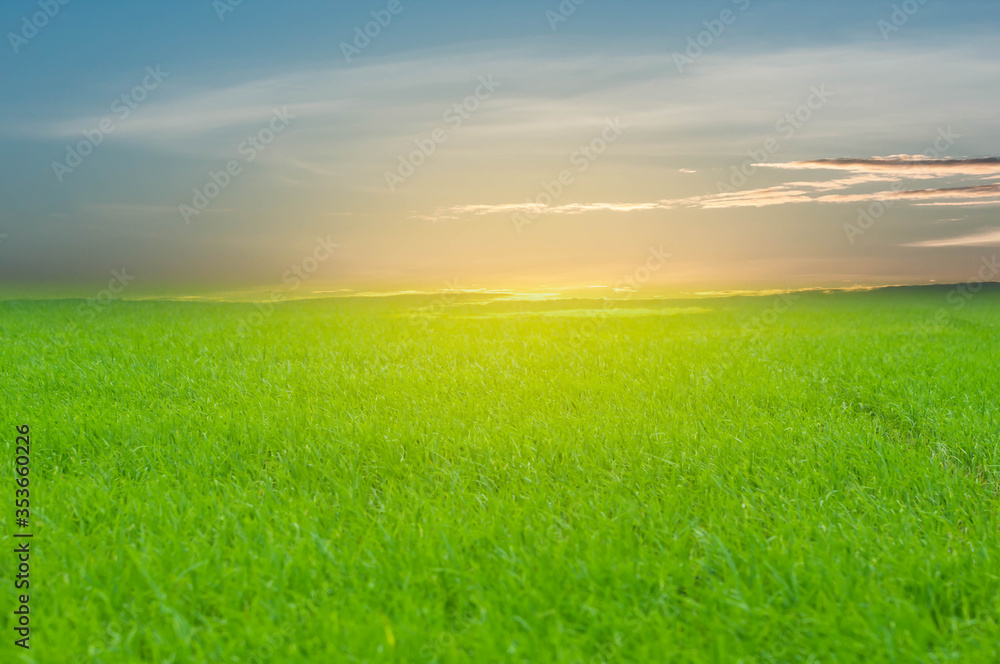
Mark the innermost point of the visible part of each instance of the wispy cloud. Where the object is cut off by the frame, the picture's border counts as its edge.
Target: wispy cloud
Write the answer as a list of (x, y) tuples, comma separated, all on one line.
[(456, 212), (797, 192), (960, 194), (989, 237), (978, 191), (908, 164), (959, 204)]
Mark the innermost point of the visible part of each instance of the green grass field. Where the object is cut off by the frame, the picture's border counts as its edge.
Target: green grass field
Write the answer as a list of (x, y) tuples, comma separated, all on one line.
[(373, 480)]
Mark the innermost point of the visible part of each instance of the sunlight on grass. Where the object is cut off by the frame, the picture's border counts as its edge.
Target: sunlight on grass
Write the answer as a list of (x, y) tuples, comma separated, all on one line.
[(615, 312), (550, 483)]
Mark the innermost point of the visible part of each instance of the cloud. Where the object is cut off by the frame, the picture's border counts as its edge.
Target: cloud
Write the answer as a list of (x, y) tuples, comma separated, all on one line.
[(456, 212), (892, 169), (977, 191), (785, 194), (549, 99), (908, 164), (962, 193), (986, 238), (959, 203)]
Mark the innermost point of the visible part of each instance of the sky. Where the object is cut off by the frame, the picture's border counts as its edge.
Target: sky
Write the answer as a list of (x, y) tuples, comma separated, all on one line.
[(418, 144)]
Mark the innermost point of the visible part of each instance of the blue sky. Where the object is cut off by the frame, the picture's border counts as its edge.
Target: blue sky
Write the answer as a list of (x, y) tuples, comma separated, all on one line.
[(864, 132)]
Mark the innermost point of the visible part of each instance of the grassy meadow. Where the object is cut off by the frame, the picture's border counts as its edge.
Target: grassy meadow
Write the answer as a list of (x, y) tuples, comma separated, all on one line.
[(742, 479)]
